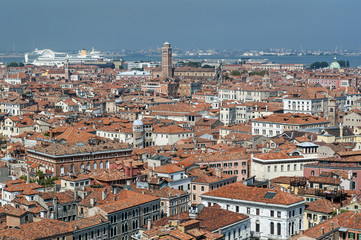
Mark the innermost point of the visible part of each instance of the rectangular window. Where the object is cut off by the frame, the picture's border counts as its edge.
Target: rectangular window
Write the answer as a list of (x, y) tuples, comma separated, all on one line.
[(257, 227), (272, 213), (351, 235)]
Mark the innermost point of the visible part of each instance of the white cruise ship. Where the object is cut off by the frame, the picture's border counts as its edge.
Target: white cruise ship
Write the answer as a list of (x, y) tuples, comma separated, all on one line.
[(47, 57)]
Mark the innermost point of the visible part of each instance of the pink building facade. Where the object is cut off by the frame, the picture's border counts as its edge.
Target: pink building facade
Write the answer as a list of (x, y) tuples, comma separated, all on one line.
[(317, 168)]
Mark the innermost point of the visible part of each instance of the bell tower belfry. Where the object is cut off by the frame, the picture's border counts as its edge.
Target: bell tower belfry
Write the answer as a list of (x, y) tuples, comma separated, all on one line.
[(167, 65)]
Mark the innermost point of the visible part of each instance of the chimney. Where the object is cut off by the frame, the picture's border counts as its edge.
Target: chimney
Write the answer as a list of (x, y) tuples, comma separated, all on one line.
[(42, 213), (75, 195), (218, 173), (104, 194), (55, 205), (323, 231), (131, 168), (149, 224), (341, 131), (126, 169), (27, 176), (92, 202)]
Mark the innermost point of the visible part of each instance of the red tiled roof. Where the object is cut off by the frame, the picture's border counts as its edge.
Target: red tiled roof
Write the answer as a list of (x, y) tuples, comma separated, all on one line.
[(239, 191)]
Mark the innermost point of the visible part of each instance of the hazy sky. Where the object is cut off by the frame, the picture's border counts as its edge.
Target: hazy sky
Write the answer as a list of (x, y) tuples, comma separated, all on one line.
[(143, 24)]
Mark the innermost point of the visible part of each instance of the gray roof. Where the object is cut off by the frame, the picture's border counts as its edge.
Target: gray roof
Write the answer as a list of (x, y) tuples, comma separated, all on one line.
[(306, 144)]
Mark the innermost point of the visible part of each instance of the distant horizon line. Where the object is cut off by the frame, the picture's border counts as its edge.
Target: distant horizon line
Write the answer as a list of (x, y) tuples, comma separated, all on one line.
[(189, 49)]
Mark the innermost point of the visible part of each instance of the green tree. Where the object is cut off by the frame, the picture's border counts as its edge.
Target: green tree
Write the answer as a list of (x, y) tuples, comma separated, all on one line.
[(342, 63), (235, 73), (23, 177), (324, 64), (13, 64), (137, 69), (207, 66), (260, 73), (192, 64), (317, 65)]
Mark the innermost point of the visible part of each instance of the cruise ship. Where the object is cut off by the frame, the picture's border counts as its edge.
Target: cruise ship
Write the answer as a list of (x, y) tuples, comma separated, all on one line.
[(47, 57)]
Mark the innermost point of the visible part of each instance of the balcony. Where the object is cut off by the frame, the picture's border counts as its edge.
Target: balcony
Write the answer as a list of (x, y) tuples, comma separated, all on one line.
[(273, 236), (255, 234)]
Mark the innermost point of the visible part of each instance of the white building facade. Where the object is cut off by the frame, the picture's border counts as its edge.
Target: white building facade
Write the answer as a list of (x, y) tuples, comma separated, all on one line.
[(268, 220)]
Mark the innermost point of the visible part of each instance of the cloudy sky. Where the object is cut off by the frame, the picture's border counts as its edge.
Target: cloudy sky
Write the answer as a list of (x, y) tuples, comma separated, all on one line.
[(143, 24)]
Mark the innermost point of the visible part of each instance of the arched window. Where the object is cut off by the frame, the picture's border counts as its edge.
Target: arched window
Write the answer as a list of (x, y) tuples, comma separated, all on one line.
[(72, 168), (312, 173), (289, 228), (95, 165), (258, 226), (88, 166), (82, 166), (107, 165), (62, 170), (278, 228), (101, 165), (272, 228)]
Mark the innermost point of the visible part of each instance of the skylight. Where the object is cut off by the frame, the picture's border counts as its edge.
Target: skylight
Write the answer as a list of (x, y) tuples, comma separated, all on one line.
[(270, 195)]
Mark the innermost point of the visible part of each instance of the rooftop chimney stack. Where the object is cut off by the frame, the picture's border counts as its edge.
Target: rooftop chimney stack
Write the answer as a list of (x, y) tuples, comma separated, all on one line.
[(149, 224)]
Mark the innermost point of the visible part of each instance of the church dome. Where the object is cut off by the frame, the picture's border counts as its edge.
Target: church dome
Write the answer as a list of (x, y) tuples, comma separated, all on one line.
[(335, 64), (137, 123)]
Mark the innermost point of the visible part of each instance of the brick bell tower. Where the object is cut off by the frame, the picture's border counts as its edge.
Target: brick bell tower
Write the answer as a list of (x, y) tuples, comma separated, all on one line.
[(167, 65)]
